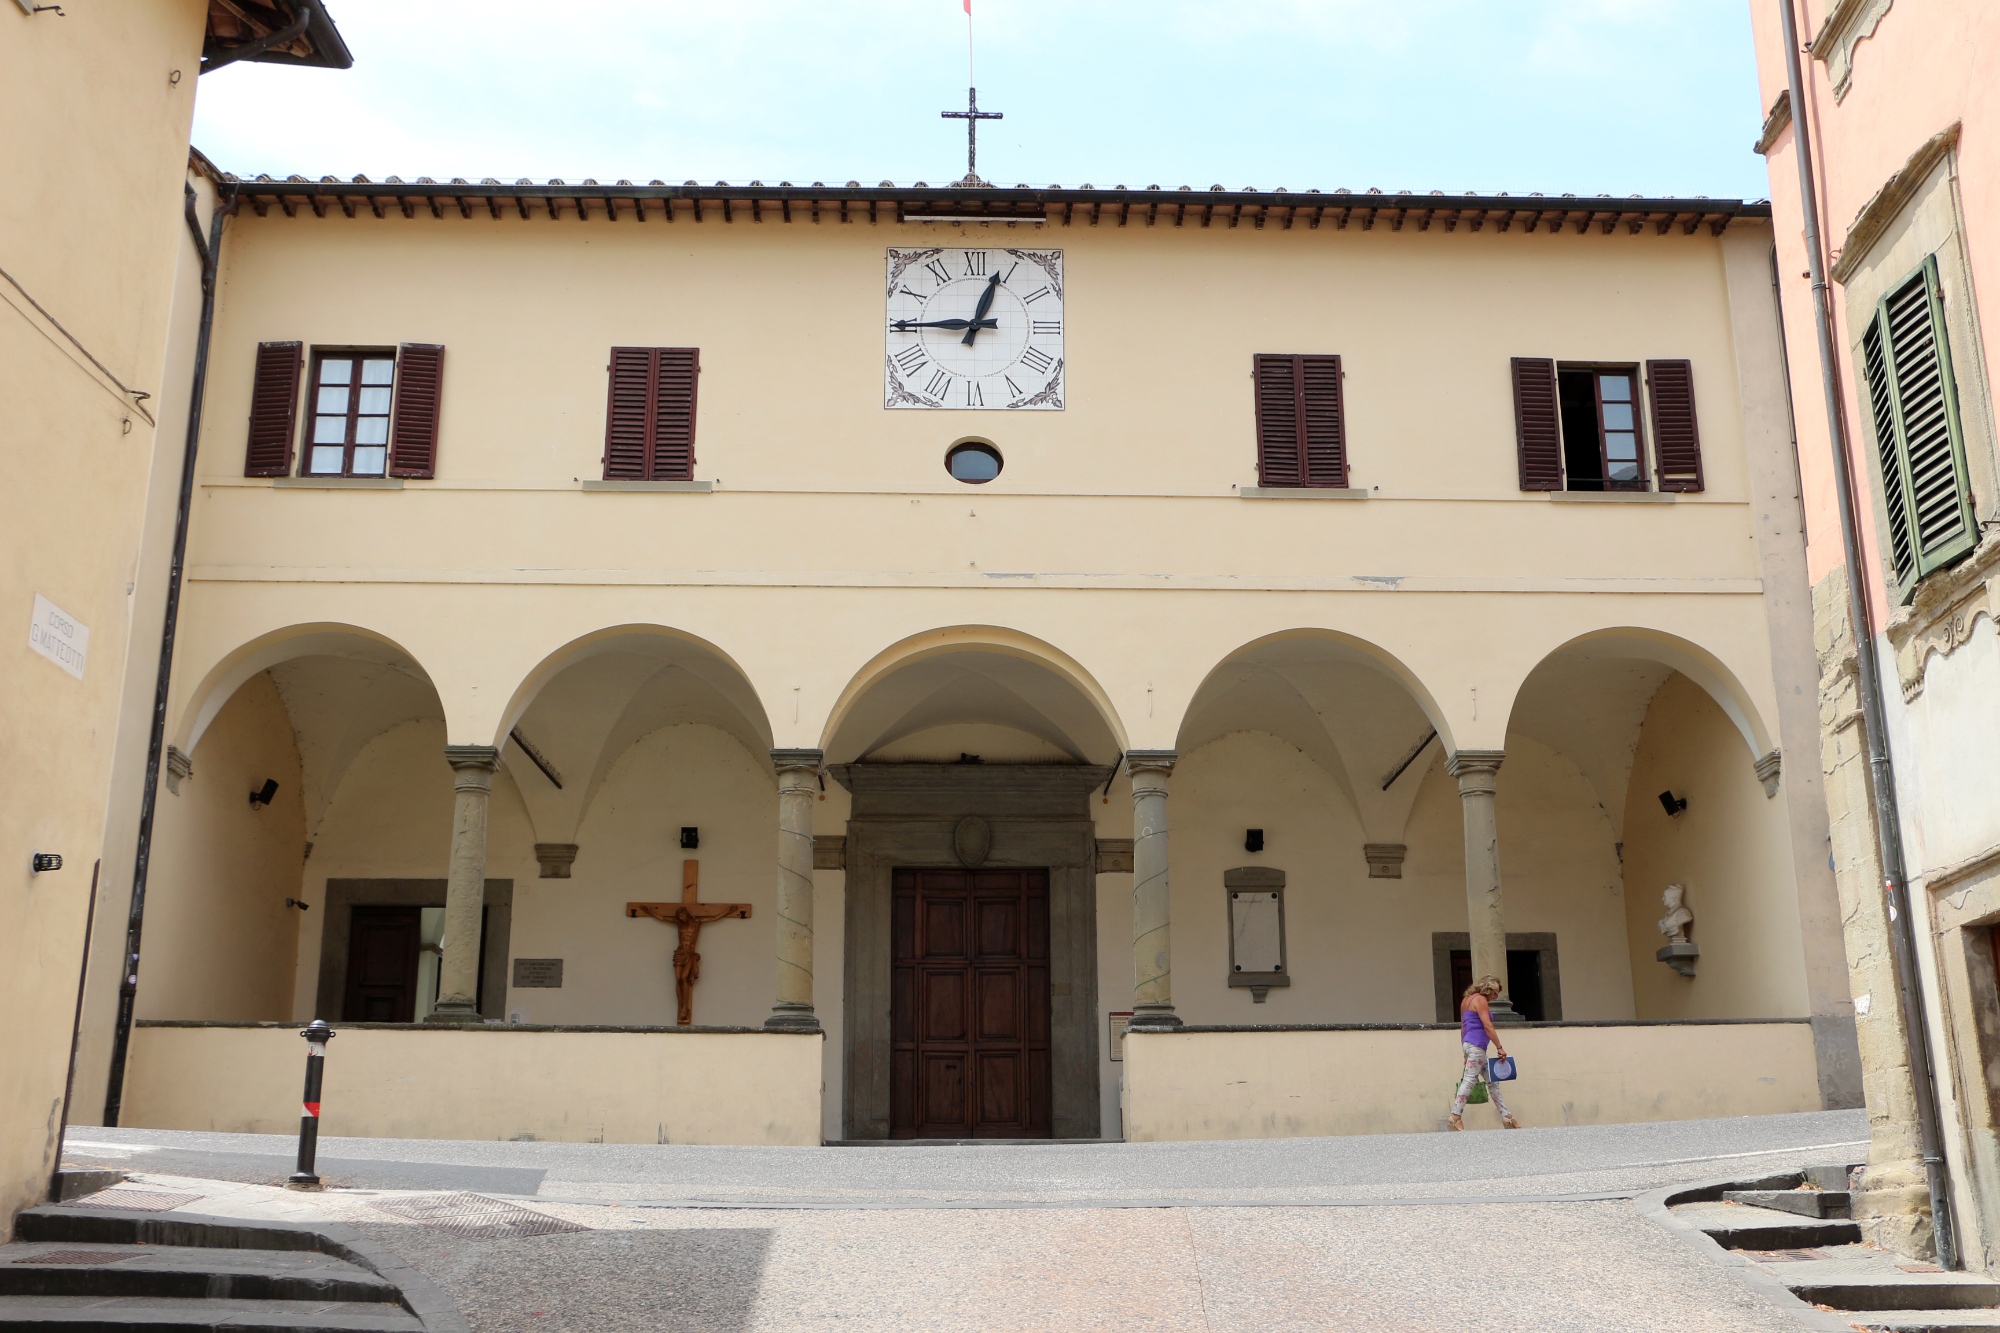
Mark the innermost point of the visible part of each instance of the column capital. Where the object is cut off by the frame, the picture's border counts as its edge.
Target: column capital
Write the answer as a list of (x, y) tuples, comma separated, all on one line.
[(1156, 761), (472, 756), (1465, 763), (810, 760), (474, 766)]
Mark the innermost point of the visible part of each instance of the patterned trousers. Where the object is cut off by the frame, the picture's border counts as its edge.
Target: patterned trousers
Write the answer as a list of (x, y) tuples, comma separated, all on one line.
[(1475, 1072)]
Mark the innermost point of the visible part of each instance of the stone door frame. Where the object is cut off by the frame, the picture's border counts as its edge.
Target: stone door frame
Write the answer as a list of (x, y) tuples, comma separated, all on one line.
[(1021, 817), (342, 895)]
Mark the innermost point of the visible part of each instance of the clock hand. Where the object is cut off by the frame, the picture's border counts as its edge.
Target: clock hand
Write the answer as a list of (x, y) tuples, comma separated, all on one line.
[(979, 315), (945, 324)]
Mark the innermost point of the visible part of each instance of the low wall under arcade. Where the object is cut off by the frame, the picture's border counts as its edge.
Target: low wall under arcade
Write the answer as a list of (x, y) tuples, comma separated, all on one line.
[(1295, 1082), (486, 1081)]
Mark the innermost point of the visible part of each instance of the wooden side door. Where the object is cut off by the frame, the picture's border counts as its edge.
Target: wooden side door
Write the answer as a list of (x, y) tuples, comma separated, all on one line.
[(970, 994), (382, 947)]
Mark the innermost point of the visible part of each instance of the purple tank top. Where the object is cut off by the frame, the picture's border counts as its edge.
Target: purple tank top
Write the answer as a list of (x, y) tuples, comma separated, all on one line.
[(1470, 1030)]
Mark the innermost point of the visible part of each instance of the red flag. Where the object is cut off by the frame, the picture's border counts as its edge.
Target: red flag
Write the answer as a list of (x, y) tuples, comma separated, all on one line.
[(968, 8)]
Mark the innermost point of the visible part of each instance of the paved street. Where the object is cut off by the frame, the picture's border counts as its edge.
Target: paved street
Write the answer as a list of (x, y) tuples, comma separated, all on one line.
[(1393, 1234)]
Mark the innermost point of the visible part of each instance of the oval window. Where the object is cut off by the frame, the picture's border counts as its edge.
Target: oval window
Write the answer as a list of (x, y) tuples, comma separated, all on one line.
[(973, 461)]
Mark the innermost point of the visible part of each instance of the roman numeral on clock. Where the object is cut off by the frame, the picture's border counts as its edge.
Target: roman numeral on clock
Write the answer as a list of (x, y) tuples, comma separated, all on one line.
[(910, 360), (1036, 359), (975, 263), (974, 396), (1038, 327), (938, 270), (940, 384), (1037, 295)]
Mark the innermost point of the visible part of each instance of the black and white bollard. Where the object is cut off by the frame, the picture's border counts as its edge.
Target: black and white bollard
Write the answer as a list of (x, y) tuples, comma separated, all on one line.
[(317, 1035)]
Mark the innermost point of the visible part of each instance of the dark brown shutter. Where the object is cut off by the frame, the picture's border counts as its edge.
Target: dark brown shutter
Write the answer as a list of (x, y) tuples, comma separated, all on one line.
[(1277, 422), (1676, 438), (1326, 427), (413, 429), (628, 415), (673, 413), (274, 406), (649, 421), (1537, 425)]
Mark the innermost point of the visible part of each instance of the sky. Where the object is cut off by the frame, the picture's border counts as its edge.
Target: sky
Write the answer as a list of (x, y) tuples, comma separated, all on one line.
[(1654, 97)]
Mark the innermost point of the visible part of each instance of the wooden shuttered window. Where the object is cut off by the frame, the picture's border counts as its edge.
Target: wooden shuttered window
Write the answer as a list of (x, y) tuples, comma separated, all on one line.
[(1913, 403), (1301, 428), (274, 407), (1537, 424), (413, 426), (649, 420), (1676, 437)]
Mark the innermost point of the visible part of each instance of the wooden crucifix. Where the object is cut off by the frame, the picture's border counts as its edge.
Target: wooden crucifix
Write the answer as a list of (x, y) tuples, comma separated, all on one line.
[(690, 915)]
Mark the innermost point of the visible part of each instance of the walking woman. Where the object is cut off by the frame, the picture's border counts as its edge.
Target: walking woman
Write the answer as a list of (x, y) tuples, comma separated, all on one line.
[(1475, 1029)]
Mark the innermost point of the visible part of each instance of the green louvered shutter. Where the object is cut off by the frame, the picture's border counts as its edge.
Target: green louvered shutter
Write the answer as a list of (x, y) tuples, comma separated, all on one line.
[(1914, 403)]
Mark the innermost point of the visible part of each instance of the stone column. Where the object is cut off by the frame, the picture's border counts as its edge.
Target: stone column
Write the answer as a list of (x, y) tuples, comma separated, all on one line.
[(1152, 909), (1476, 771), (465, 890), (798, 789)]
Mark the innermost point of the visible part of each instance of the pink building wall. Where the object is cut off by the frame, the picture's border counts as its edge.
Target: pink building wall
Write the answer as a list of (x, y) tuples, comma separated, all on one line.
[(1929, 63)]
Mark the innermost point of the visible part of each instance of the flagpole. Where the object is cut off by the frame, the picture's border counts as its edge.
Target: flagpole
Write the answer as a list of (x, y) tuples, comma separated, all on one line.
[(970, 81)]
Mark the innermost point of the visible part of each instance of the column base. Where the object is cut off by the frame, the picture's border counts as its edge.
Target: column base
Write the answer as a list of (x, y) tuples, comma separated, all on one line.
[(1504, 1015), (793, 1018), (1153, 1018), (458, 1012)]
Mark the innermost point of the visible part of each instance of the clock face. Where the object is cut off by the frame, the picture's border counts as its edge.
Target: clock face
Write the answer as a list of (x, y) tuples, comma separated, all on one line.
[(1008, 303)]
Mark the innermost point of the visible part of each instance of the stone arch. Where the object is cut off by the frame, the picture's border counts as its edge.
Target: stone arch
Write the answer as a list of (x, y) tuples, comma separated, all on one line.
[(1349, 705), (590, 701), (716, 666), (1698, 664), (319, 639), (984, 673)]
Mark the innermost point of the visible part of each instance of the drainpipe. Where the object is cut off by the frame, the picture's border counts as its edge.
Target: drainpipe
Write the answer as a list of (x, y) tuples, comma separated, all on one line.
[(210, 249), (1888, 820)]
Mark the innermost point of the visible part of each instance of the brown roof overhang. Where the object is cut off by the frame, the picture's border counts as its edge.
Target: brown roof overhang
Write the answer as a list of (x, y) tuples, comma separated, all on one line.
[(1119, 207)]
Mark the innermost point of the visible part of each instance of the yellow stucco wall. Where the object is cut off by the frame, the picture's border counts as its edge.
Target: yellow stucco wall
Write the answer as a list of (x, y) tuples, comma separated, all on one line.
[(1726, 848), (1265, 1085), (433, 1083), (98, 117), (221, 942), (1114, 554)]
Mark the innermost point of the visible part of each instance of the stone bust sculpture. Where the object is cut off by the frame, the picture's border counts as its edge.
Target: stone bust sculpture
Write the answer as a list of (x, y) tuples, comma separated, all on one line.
[(1674, 925)]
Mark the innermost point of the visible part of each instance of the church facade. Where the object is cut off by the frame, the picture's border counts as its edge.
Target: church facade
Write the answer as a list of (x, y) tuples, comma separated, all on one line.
[(773, 664)]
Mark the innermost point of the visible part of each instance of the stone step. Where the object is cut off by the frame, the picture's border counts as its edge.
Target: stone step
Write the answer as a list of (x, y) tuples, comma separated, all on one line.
[(167, 1315), (1931, 1321), (1846, 1287), (62, 1268), (1806, 1203)]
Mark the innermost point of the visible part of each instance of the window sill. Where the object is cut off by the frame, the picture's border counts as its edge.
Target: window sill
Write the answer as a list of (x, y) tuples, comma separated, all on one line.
[(338, 483), (1614, 497), (1302, 493), (700, 487)]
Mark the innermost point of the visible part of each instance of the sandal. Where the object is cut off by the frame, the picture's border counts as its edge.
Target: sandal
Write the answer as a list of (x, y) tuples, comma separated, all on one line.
[(1509, 1122), (1456, 1122)]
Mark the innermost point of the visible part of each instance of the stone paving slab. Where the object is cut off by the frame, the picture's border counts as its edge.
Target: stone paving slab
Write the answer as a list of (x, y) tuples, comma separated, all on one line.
[(1566, 1161), (1389, 1234)]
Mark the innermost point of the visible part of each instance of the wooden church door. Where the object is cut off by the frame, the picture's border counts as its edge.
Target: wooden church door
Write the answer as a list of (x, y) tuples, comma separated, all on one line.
[(382, 951), (969, 1026)]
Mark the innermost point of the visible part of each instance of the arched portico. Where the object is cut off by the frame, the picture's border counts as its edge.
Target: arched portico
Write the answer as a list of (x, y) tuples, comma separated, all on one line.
[(971, 758)]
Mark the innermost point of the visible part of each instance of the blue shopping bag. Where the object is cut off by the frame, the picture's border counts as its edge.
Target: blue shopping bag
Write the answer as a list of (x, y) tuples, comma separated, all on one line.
[(1501, 1068)]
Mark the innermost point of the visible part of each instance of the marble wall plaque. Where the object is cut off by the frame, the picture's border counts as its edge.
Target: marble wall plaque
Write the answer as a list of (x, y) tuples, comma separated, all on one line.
[(542, 973)]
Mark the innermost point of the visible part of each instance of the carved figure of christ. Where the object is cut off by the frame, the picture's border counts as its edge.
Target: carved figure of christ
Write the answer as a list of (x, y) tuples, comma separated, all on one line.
[(690, 915)]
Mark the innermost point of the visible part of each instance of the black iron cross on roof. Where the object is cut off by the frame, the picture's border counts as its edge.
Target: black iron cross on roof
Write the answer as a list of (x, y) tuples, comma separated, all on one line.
[(972, 115)]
